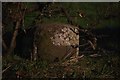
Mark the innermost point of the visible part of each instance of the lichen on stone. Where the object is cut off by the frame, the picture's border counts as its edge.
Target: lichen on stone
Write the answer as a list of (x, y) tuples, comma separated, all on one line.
[(65, 37)]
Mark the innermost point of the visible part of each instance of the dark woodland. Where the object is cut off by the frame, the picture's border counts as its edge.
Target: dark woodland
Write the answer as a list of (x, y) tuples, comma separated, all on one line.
[(60, 40)]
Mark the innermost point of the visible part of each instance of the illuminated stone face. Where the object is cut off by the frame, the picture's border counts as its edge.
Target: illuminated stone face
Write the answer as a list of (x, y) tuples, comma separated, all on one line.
[(55, 40), (65, 37)]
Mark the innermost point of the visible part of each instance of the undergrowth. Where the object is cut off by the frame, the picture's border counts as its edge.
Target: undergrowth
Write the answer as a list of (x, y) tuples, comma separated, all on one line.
[(106, 66)]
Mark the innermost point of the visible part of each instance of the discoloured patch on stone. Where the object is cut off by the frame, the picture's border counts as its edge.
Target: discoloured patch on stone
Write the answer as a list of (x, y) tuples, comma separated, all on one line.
[(46, 47)]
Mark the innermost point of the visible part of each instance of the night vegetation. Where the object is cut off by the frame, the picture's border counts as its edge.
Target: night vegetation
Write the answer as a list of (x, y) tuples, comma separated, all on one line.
[(98, 23)]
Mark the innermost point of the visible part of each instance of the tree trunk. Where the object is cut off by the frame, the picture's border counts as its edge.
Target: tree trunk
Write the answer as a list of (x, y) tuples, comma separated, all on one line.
[(13, 42)]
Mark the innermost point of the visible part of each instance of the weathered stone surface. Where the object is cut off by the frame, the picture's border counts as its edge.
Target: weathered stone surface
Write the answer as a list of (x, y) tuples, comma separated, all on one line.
[(54, 41)]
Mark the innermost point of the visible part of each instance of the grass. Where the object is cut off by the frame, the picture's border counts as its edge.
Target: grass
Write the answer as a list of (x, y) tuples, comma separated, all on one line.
[(106, 66)]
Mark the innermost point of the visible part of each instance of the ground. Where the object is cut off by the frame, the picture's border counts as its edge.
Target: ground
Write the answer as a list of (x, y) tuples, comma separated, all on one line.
[(106, 66)]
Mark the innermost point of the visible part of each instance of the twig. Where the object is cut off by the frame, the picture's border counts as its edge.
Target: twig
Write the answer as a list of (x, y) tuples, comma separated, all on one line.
[(67, 15), (6, 68), (36, 74), (83, 44), (72, 60), (95, 55), (67, 55), (78, 57), (91, 44), (4, 45)]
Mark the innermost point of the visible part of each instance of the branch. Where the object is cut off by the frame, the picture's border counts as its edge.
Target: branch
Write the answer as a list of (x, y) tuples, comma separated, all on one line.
[(67, 15), (6, 69), (12, 45), (67, 55), (92, 45), (83, 44), (4, 45)]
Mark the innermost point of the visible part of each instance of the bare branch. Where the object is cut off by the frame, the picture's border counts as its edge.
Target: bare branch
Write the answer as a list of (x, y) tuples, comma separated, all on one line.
[(13, 42), (6, 69), (67, 15), (4, 45), (12, 45), (92, 45)]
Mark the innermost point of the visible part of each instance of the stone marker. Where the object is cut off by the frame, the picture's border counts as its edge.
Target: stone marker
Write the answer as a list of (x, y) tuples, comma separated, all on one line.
[(54, 41)]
